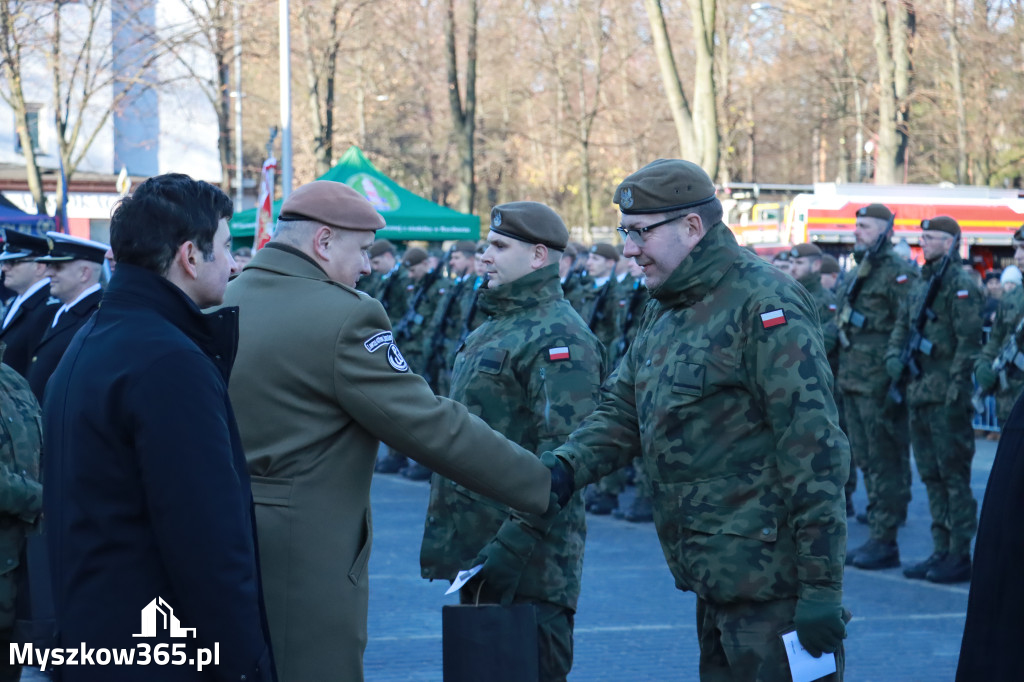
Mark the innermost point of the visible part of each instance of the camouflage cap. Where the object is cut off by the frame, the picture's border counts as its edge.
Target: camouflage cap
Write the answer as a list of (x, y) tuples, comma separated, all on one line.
[(530, 222), (414, 256), (804, 250), (879, 211), (663, 186), (829, 265), (942, 223), (380, 247), (466, 246), (19, 246), (333, 204), (1018, 236), (605, 250)]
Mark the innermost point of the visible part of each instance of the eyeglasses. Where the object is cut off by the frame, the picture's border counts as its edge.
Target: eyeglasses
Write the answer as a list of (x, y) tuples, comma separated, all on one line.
[(637, 234)]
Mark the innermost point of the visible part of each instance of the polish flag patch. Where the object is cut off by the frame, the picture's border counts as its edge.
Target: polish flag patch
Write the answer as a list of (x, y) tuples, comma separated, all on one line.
[(832, 307), (962, 293), (559, 353), (901, 279), (773, 318)]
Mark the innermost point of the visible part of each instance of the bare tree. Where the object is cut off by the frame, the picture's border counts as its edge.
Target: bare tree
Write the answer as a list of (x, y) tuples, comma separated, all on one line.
[(463, 111), (893, 47)]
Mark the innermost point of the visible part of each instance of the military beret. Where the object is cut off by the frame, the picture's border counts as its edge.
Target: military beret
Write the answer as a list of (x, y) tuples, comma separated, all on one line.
[(803, 250), (993, 275), (942, 223), (781, 255), (19, 246), (333, 204), (663, 186), (530, 222), (829, 265), (465, 246), (380, 247), (570, 252), (1018, 236), (65, 248), (414, 256), (605, 250), (879, 211)]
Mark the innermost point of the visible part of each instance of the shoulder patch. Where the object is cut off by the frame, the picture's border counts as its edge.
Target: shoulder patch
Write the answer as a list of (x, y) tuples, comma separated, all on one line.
[(901, 279), (396, 360), (963, 293), (377, 340), (558, 353), (833, 307), (773, 318)]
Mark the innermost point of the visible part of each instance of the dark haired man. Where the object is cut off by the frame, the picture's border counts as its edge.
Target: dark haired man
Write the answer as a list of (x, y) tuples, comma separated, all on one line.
[(148, 501)]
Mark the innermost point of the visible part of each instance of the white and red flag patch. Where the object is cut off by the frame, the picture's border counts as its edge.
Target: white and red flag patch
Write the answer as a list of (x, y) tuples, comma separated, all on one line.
[(773, 318), (901, 279), (962, 293), (832, 307), (558, 353)]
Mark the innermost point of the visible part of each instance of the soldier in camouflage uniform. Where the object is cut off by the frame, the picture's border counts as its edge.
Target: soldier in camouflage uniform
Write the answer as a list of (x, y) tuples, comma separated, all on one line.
[(939, 398), (532, 372), (446, 327), (21, 495), (422, 290), (727, 395), (1005, 339), (877, 427)]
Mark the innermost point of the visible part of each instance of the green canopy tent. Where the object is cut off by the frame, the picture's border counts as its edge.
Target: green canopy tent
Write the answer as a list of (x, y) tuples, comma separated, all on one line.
[(408, 216)]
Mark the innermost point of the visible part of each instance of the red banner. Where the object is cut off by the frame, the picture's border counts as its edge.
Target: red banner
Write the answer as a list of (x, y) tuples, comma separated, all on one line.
[(264, 205)]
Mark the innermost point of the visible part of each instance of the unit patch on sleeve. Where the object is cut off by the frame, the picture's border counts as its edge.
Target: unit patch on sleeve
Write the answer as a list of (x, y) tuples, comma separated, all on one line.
[(377, 340), (962, 293), (901, 279), (773, 318), (558, 353)]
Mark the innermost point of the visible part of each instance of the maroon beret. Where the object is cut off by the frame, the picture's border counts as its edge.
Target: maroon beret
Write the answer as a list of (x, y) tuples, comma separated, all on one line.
[(333, 204)]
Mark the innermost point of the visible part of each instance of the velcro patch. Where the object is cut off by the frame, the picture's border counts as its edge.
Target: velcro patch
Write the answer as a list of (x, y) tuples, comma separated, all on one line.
[(962, 293), (901, 279), (377, 340), (773, 318), (559, 353), (832, 307), (396, 359)]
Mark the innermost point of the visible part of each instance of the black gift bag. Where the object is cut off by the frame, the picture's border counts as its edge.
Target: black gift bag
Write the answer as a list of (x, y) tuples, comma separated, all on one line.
[(490, 643)]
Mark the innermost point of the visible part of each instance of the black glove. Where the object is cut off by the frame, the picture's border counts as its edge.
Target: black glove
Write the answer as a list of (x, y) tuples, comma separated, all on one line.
[(819, 625), (563, 483), (504, 559)]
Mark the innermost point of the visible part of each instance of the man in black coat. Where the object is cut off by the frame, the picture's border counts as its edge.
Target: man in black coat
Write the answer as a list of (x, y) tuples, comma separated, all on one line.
[(74, 266), (148, 503), (995, 627), (31, 311)]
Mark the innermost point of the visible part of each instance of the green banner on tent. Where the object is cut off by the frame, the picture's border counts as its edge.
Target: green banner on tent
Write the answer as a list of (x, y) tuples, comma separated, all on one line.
[(408, 215)]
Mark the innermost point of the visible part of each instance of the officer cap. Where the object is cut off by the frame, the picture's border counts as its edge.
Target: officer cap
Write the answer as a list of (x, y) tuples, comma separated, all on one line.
[(605, 250), (65, 248), (19, 246), (1018, 236), (380, 247), (466, 246), (942, 223), (804, 250), (333, 204), (829, 265), (414, 256), (530, 222), (664, 186), (879, 211)]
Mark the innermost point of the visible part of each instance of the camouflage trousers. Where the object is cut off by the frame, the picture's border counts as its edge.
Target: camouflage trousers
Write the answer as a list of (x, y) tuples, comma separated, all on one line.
[(880, 440), (743, 642), (943, 441), (554, 633)]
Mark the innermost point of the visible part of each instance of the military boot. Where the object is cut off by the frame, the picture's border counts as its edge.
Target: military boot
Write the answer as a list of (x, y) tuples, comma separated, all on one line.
[(600, 503), (954, 568), (920, 570), (641, 510), (876, 554)]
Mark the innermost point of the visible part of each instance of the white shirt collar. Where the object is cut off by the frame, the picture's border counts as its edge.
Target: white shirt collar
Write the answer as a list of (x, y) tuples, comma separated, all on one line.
[(22, 298), (68, 306)]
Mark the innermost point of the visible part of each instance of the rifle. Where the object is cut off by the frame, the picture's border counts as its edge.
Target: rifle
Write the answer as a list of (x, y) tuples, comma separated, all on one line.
[(434, 358), (597, 314), (389, 280), (631, 314), (1009, 356), (917, 342), (471, 311), (402, 329), (849, 314)]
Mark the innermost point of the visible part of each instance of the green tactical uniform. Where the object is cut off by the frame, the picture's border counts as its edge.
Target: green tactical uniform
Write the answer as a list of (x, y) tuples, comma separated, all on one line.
[(1009, 316), (391, 292), (512, 373), (878, 429), (444, 332), (599, 308), (371, 283), (939, 401), (21, 495), (412, 328), (729, 402)]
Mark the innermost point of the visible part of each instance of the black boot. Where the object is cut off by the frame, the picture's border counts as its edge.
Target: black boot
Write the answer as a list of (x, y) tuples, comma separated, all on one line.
[(953, 569), (876, 554), (920, 571)]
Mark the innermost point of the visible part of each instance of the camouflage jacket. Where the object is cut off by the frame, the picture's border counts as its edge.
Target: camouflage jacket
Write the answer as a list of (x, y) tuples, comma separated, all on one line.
[(532, 372), (21, 495), (413, 327), (1008, 315), (825, 301), (632, 301), (370, 283), (888, 280), (954, 332), (390, 290), (599, 308), (443, 333), (727, 395)]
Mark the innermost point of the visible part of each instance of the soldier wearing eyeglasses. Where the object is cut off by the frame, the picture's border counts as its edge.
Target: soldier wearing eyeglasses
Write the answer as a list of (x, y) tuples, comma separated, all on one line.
[(726, 393)]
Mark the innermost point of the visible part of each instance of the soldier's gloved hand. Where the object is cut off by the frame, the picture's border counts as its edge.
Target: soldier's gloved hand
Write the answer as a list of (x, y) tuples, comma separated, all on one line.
[(504, 559), (985, 375), (563, 483), (894, 368), (819, 625)]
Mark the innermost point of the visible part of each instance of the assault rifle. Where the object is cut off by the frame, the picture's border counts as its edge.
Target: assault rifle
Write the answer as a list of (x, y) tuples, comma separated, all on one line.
[(436, 362), (1009, 356), (403, 330), (471, 311), (389, 281), (597, 314), (849, 314), (632, 312), (917, 343)]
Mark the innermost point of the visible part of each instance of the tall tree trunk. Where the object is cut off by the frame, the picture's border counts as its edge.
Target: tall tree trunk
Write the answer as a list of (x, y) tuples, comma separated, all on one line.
[(959, 104), (902, 51), (705, 97), (221, 52), (463, 115), (885, 167), (677, 101)]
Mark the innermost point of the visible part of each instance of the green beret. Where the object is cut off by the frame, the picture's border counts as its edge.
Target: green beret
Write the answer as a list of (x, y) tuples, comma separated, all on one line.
[(803, 250), (879, 211), (605, 250), (333, 204), (829, 265), (380, 247), (414, 256), (942, 223), (530, 222), (466, 246), (781, 255), (1018, 236), (664, 186), (570, 252)]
